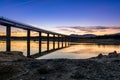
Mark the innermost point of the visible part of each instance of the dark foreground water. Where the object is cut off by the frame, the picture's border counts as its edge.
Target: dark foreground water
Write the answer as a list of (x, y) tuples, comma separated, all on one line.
[(79, 51)]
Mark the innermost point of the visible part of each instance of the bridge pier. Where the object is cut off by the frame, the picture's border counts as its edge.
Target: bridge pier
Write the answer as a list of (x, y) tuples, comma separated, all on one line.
[(65, 41), (8, 38), (28, 43), (40, 42), (69, 40), (47, 42), (53, 41), (58, 41), (62, 41)]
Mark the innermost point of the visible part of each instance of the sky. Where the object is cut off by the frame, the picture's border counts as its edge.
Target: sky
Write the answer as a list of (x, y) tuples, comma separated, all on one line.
[(66, 16)]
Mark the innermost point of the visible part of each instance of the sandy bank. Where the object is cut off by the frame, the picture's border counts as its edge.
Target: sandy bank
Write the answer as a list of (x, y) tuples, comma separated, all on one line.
[(102, 67)]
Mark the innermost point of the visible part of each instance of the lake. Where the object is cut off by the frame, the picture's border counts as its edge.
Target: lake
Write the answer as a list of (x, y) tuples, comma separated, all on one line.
[(79, 51)]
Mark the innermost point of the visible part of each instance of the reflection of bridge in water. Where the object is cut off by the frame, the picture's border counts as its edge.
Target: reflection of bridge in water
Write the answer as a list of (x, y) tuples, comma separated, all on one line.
[(60, 38)]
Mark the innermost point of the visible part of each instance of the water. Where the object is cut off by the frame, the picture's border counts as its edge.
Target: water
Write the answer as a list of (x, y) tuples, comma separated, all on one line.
[(82, 51), (79, 51), (22, 46)]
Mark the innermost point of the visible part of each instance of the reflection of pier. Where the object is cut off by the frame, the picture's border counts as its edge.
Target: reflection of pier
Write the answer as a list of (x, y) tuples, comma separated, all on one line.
[(60, 38), (46, 52)]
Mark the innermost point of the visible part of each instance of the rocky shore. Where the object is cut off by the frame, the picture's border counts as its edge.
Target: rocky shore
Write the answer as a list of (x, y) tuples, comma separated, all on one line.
[(14, 66)]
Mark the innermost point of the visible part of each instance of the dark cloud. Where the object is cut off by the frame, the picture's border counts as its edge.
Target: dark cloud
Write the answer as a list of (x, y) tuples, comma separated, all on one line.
[(68, 30), (88, 29), (93, 27), (102, 27)]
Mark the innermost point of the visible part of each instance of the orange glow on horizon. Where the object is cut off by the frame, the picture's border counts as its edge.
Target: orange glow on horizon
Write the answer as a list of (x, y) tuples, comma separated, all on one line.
[(20, 32)]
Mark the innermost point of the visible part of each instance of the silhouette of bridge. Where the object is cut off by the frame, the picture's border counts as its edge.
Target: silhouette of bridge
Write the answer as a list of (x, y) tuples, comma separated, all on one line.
[(60, 38)]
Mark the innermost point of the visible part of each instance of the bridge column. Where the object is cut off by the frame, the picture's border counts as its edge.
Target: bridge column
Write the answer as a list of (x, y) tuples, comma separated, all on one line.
[(8, 38), (40, 42), (65, 41), (58, 41), (28, 43), (53, 41), (62, 40), (69, 40), (48, 41)]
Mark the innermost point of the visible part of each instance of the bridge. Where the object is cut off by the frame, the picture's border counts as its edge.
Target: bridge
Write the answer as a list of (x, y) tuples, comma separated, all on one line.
[(60, 38)]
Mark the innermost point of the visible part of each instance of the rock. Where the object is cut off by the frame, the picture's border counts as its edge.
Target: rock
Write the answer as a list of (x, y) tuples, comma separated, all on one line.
[(78, 75), (113, 54), (45, 70), (116, 61), (100, 55), (11, 56), (42, 78), (7, 71)]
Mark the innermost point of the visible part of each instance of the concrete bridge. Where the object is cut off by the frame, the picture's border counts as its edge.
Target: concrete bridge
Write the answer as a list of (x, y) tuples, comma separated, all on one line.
[(60, 38)]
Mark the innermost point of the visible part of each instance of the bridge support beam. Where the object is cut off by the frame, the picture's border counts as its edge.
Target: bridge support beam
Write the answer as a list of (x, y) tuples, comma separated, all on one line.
[(62, 40), (8, 38), (53, 41), (28, 43), (58, 41), (48, 41), (65, 41), (40, 42), (69, 41)]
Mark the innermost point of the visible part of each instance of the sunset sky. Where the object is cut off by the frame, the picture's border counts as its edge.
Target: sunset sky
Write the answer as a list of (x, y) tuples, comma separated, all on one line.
[(65, 16)]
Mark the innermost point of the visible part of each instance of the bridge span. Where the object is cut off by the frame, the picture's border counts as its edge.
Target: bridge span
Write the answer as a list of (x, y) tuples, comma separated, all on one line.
[(60, 38)]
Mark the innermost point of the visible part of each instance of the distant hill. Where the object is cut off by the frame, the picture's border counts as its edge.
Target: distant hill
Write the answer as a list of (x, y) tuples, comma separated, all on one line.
[(83, 36), (115, 34), (108, 36)]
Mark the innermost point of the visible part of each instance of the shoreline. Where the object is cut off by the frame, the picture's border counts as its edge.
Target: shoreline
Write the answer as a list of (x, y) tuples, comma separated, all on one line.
[(92, 41), (101, 41), (101, 67)]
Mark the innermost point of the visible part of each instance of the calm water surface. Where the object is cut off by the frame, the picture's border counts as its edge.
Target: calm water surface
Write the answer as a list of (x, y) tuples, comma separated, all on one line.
[(79, 51)]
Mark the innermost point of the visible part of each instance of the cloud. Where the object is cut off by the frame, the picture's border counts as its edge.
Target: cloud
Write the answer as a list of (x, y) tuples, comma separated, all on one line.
[(90, 29), (68, 30)]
